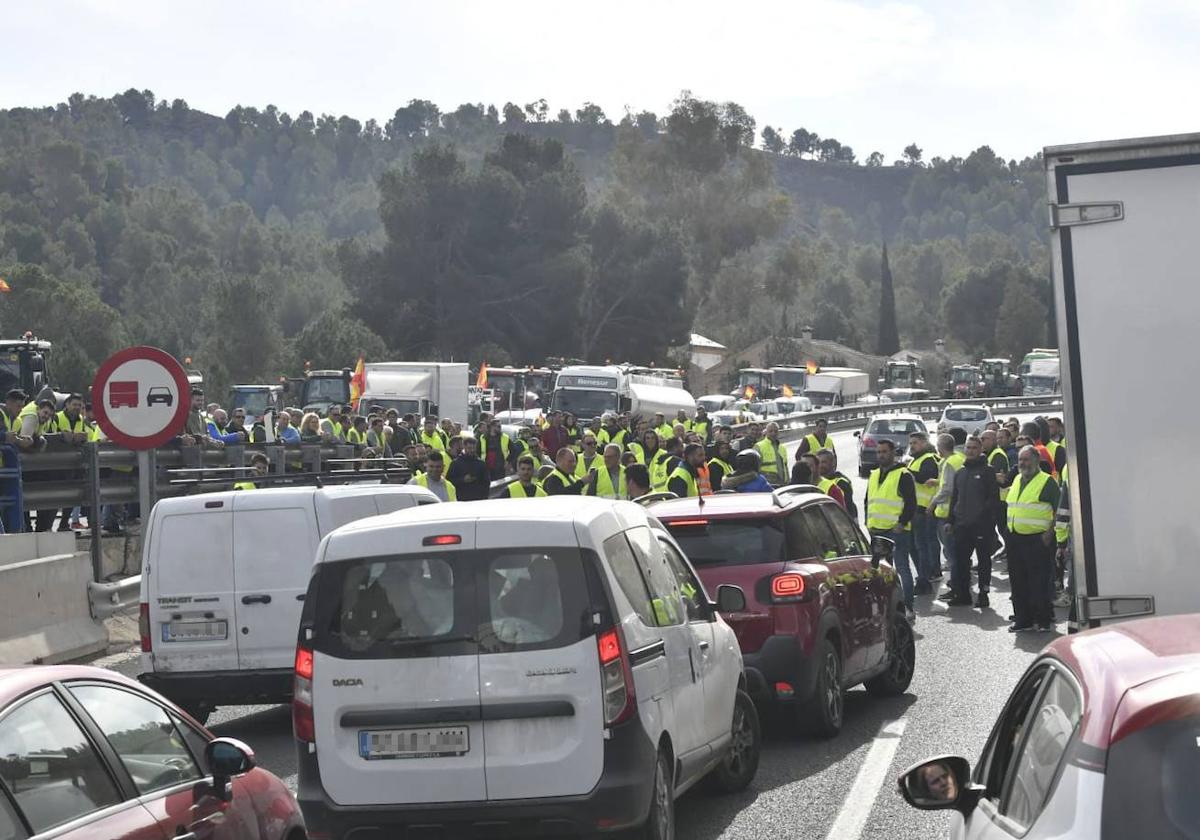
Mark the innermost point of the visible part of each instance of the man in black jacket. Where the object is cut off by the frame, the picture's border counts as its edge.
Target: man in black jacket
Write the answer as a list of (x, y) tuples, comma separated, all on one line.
[(973, 503), (468, 474)]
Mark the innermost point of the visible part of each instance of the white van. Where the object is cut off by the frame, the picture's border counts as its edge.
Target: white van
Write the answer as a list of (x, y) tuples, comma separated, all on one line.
[(223, 580), (516, 667)]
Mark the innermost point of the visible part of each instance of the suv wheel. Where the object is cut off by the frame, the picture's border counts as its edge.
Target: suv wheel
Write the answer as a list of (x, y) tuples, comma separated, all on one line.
[(902, 660), (660, 824), (737, 770), (821, 715)]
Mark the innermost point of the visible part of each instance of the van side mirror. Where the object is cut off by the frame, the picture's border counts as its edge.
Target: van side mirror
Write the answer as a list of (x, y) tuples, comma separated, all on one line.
[(882, 548), (227, 758), (730, 599), (940, 783)]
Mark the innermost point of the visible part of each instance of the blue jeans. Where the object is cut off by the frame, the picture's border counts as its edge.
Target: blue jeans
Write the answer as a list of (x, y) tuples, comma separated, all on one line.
[(926, 546), (900, 560)]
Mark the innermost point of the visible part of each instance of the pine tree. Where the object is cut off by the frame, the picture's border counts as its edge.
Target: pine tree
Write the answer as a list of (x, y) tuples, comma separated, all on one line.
[(889, 333)]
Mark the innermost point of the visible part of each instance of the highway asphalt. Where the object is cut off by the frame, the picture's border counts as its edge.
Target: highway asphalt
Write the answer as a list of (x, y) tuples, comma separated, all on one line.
[(844, 788)]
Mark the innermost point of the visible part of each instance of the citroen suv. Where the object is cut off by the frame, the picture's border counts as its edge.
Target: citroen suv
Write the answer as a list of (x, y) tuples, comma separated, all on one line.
[(823, 612)]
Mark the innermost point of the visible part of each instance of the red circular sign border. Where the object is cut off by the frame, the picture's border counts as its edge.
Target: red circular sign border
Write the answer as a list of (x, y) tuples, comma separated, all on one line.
[(172, 366)]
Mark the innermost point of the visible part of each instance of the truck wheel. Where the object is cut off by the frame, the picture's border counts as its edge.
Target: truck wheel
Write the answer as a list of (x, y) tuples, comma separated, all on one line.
[(902, 660), (660, 824), (821, 715), (737, 770)]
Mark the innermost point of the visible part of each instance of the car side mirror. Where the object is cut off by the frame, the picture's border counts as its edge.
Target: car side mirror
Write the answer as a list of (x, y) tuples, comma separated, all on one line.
[(227, 758), (730, 599), (858, 433), (940, 783), (882, 548)]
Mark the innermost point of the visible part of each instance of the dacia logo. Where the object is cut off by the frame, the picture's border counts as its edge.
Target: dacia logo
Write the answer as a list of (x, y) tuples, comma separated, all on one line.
[(347, 683)]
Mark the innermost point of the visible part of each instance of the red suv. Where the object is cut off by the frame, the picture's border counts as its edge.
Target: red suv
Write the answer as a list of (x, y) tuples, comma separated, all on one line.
[(823, 612), (87, 754)]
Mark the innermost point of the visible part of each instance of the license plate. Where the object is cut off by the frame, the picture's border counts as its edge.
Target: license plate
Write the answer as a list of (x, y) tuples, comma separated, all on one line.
[(413, 743), (195, 631)]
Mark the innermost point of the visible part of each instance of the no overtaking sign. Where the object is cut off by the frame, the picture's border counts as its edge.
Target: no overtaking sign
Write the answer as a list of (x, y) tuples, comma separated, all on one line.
[(140, 397)]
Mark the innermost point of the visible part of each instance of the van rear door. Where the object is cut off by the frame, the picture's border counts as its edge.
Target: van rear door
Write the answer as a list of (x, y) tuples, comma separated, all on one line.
[(396, 668), (191, 586), (539, 668), (274, 542)]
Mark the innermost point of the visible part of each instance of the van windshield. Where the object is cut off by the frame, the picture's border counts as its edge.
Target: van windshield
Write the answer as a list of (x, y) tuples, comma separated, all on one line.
[(487, 601)]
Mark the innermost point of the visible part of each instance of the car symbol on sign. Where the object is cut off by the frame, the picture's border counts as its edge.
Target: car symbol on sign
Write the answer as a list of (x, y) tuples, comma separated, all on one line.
[(160, 396), (122, 394)]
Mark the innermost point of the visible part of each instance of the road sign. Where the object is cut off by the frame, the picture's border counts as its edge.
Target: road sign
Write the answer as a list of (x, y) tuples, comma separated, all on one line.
[(140, 397)]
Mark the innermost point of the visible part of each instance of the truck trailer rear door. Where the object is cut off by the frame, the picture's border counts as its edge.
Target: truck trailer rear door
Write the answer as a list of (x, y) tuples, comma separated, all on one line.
[(1125, 217)]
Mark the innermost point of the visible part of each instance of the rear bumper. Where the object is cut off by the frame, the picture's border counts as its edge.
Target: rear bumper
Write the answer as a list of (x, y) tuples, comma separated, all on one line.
[(222, 688), (620, 800), (781, 659)]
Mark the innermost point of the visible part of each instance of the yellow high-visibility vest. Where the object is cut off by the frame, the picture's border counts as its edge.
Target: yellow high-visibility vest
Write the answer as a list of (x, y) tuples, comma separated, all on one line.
[(924, 494), (688, 478), (884, 502), (1027, 514), (956, 460), (604, 484), (516, 490)]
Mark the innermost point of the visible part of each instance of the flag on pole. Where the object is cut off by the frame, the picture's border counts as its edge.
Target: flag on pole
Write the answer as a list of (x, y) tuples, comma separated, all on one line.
[(749, 392), (787, 391), (481, 380), (810, 366), (4, 287), (358, 382)]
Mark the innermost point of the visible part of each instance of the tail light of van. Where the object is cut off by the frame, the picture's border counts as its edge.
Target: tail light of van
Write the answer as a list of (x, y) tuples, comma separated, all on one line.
[(302, 697), (616, 678), (144, 626)]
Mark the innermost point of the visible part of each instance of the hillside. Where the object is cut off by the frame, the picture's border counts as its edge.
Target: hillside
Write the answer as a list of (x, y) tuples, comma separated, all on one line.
[(258, 240)]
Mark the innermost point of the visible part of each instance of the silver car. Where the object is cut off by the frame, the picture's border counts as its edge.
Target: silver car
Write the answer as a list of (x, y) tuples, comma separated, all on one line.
[(972, 418)]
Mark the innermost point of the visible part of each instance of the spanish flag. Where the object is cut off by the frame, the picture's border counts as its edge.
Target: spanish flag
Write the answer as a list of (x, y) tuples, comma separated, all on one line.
[(787, 391), (749, 392), (358, 382), (4, 287), (810, 366), (481, 380)]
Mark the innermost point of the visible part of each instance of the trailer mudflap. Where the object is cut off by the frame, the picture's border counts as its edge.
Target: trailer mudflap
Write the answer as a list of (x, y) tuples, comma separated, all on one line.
[(1092, 611)]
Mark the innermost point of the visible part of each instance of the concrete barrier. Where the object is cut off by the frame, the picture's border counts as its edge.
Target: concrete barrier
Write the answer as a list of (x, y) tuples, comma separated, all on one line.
[(44, 614)]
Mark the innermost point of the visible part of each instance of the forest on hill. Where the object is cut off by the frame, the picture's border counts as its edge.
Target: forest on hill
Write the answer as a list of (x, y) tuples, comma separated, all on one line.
[(254, 242)]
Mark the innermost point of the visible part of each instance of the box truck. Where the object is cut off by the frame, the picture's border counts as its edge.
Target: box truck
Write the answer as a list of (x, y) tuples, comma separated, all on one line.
[(1124, 216), (837, 387), (419, 388)]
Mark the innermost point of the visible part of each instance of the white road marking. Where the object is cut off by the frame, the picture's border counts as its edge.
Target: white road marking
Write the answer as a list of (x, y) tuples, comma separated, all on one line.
[(859, 802)]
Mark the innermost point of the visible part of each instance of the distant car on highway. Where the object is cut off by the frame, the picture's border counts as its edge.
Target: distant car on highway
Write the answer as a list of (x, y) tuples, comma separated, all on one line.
[(793, 405), (823, 609), (972, 418), (1100, 739), (893, 427), (714, 402), (88, 753)]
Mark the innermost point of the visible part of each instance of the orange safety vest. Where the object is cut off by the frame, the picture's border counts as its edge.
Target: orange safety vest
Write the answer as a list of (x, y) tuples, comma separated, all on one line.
[(703, 484), (1045, 455)]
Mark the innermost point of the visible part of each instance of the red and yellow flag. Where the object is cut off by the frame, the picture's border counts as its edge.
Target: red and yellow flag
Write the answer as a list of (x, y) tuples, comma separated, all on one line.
[(749, 392), (787, 391), (481, 380), (4, 287), (358, 382), (810, 366)]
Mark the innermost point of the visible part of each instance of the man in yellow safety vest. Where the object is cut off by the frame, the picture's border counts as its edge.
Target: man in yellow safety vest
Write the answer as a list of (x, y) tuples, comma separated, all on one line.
[(610, 476), (525, 487), (1032, 503), (891, 503)]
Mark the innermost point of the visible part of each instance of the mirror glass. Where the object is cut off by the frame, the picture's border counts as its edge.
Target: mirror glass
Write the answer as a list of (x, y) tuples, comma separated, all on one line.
[(227, 758), (730, 599), (937, 783)]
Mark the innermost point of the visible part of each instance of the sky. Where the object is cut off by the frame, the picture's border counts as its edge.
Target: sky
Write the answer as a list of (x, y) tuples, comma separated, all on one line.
[(949, 76)]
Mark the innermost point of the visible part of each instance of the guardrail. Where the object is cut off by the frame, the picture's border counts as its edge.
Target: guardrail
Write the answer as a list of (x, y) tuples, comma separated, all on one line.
[(107, 599), (851, 416)]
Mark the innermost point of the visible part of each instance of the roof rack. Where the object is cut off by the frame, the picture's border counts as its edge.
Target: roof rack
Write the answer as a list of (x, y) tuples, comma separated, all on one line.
[(792, 490)]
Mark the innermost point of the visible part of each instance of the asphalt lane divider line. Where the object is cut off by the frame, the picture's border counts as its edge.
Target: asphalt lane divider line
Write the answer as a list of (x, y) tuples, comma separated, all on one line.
[(860, 801)]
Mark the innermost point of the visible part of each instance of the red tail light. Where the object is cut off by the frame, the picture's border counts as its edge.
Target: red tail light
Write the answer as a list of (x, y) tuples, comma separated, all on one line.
[(144, 627), (620, 703), (302, 697), (787, 588)]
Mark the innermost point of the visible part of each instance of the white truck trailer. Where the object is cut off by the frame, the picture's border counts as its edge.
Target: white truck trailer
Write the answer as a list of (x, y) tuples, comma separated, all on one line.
[(587, 391), (419, 388), (1124, 216), (837, 386)]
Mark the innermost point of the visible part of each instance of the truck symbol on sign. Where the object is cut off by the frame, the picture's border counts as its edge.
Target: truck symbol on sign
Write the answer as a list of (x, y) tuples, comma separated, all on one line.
[(122, 394)]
